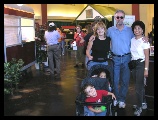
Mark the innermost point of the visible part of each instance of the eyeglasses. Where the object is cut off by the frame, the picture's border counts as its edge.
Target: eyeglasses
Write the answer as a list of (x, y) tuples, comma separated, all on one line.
[(120, 17)]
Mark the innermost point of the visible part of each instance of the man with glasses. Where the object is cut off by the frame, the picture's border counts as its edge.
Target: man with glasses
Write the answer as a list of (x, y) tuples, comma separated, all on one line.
[(121, 36)]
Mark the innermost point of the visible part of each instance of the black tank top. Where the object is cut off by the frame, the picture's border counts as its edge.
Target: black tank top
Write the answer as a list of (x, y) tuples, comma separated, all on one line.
[(100, 48)]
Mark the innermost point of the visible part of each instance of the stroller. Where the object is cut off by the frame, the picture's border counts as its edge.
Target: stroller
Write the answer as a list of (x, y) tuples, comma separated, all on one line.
[(99, 84)]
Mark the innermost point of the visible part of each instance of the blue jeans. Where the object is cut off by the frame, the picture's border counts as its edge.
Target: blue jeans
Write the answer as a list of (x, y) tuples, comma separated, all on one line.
[(87, 59), (122, 76), (91, 63), (63, 46), (88, 112)]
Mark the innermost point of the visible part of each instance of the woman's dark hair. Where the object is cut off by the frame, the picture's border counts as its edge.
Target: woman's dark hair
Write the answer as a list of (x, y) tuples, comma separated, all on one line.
[(79, 27), (51, 28), (139, 23), (89, 28)]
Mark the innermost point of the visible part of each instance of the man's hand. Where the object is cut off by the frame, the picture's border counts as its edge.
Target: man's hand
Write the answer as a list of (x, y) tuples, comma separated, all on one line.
[(145, 39), (92, 38)]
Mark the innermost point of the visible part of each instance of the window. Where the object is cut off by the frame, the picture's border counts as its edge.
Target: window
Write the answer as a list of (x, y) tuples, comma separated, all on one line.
[(11, 30), (27, 25), (17, 29)]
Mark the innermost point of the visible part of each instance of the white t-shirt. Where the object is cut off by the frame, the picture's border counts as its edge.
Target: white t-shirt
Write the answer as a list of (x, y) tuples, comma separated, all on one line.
[(137, 48)]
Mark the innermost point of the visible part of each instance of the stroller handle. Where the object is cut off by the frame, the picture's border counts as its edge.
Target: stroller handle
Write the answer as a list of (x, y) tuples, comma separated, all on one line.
[(92, 103), (109, 100)]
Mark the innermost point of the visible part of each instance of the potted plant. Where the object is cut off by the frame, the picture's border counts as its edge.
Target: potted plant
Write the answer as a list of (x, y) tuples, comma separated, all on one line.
[(12, 75), (41, 54)]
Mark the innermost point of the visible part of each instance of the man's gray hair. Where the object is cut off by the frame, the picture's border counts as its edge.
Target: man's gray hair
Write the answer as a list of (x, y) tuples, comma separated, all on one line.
[(120, 11)]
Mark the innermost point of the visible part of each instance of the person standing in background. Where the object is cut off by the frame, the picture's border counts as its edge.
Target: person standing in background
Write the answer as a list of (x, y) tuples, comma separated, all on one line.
[(90, 32), (54, 49), (61, 40), (140, 55), (78, 36)]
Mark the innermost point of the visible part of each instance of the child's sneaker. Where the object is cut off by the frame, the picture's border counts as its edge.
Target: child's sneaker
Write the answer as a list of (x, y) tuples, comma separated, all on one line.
[(110, 89), (138, 111), (115, 102), (122, 105)]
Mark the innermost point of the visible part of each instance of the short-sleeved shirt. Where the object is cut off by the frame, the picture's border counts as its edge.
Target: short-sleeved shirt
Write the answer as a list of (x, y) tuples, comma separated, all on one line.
[(78, 39), (52, 37), (120, 40), (137, 48), (98, 98)]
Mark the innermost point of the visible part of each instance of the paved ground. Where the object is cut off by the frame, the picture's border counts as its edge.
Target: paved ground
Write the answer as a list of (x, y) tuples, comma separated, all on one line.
[(38, 95)]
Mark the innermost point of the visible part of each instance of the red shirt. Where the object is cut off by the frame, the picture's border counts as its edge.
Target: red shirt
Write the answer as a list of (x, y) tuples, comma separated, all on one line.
[(64, 35), (78, 39), (98, 98)]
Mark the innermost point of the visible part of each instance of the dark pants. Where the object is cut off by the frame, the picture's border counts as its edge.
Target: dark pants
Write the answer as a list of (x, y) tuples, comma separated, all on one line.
[(54, 52), (138, 77), (79, 55)]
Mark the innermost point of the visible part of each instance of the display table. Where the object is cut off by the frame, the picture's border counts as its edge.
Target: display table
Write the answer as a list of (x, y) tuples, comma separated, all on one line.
[(67, 40)]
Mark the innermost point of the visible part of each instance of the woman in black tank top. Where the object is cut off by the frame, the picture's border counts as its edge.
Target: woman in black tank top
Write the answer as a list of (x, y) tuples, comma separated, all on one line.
[(100, 46)]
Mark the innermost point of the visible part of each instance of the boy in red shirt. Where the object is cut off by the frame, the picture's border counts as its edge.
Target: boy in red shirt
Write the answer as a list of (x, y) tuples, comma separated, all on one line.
[(94, 95)]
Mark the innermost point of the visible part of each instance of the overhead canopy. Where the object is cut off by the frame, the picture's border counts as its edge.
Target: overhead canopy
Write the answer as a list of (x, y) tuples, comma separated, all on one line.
[(91, 11), (23, 7)]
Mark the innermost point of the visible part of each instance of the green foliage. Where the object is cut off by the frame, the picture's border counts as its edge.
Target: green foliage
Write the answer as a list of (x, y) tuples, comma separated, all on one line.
[(12, 74), (41, 55)]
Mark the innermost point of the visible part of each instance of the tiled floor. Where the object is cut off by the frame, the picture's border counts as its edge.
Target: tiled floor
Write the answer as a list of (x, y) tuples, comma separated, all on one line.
[(38, 95)]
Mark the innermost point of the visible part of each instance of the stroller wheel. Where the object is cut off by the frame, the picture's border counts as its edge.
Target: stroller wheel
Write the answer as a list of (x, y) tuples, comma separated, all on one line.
[(77, 113), (115, 114)]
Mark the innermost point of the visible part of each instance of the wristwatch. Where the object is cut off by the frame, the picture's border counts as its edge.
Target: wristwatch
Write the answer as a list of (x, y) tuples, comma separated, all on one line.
[(146, 68)]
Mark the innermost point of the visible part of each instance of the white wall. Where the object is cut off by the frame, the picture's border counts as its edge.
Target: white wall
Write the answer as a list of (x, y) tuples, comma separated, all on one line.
[(83, 15)]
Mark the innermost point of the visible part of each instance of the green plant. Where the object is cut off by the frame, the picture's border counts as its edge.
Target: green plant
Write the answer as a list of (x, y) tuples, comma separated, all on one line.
[(41, 55), (12, 75)]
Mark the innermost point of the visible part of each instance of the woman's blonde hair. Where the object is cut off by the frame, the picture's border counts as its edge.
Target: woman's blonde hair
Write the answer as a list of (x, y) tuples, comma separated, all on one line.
[(99, 24)]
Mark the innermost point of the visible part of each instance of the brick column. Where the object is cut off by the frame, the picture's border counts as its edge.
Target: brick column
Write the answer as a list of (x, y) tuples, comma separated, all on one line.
[(44, 13), (135, 11)]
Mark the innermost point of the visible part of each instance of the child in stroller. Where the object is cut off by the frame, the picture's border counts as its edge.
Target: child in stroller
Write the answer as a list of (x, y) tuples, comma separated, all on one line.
[(94, 95), (102, 74), (99, 84)]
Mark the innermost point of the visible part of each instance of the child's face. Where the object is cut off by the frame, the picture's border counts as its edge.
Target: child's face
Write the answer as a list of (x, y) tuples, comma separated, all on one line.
[(102, 75), (91, 91)]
